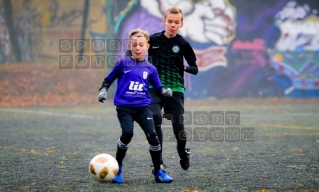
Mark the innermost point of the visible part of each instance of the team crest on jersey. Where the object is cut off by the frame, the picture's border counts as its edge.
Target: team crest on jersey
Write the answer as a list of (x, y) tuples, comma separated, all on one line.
[(145, 73), (175, 49)]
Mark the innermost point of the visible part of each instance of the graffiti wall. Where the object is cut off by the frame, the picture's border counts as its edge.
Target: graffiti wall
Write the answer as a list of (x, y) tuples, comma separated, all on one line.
[(244, 48)]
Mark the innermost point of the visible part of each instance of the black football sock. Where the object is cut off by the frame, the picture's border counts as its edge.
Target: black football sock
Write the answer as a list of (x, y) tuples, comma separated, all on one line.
[(160, 138), (181, 149), (121, 151), (156, 155)]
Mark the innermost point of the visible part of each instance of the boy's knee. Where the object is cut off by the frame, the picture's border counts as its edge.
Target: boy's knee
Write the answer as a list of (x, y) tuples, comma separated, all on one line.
[(181, 136), (126, 137), (153, 139), (157, 117)]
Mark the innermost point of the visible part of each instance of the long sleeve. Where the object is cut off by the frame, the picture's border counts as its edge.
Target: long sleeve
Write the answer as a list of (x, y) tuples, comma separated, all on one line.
[(191, 60), (155, 80)]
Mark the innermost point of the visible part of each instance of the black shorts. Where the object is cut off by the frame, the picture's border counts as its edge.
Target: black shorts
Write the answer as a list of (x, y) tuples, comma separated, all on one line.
[(141, 115), (173, 106)]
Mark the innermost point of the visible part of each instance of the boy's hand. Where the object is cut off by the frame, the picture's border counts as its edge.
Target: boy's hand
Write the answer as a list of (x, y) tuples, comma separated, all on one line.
[(167, 92), (102, 95)]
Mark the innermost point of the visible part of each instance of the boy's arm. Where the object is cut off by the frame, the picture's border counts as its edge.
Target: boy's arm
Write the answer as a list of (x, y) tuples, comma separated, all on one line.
[(157, 84), (107, 82), (191, 60), (113, 75), (193, 69), (154, 79)]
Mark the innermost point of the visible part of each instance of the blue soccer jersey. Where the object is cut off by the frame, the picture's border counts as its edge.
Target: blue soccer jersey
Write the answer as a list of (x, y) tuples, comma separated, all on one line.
[(133, 79)]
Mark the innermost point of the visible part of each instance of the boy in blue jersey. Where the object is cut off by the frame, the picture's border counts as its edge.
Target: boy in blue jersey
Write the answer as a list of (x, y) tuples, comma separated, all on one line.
[(132, 101)]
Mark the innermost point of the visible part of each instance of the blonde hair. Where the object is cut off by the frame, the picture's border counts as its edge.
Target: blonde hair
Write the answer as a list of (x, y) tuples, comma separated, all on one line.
[(174, 10), (139, 33)]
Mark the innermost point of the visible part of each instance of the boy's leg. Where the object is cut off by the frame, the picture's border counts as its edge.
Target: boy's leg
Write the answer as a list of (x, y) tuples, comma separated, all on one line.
[(125, 118), (126, 121), (157, 118), (174, 107), (143, 117), (156, 108)]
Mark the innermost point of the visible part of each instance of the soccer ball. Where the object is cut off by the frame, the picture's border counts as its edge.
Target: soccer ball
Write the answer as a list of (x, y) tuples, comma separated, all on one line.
[(103, 167)]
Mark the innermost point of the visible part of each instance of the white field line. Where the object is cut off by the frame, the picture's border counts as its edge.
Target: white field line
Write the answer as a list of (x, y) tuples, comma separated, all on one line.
[(47, 113)]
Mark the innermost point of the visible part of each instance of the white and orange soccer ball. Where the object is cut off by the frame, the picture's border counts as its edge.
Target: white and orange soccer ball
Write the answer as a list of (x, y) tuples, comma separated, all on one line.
[(103, 167)]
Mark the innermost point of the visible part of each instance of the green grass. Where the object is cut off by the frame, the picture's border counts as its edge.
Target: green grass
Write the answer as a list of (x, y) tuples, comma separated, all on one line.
[(49, 148)]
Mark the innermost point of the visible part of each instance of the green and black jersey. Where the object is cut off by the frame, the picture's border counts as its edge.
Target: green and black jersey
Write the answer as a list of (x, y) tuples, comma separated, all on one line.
[(167, 55)]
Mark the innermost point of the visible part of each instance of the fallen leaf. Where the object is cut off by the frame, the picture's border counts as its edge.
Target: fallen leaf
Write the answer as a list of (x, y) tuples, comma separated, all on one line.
[(51, 151)]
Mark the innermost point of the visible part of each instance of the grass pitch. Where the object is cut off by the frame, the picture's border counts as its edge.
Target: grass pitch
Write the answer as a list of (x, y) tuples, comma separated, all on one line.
[(48, 148)]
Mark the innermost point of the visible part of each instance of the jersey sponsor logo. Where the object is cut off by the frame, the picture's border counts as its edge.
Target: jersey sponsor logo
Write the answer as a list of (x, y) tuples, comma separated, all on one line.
[(126, 71), (136, 86), (145, 73), (155, 47), (175, 49)]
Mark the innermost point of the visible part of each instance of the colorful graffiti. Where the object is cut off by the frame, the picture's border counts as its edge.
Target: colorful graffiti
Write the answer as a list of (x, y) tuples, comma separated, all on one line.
[(244, 48), (214, 30), (296, 54)]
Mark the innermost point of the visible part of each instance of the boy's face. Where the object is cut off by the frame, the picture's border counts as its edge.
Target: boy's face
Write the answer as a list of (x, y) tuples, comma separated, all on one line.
[(138, 47), (173, 23)]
